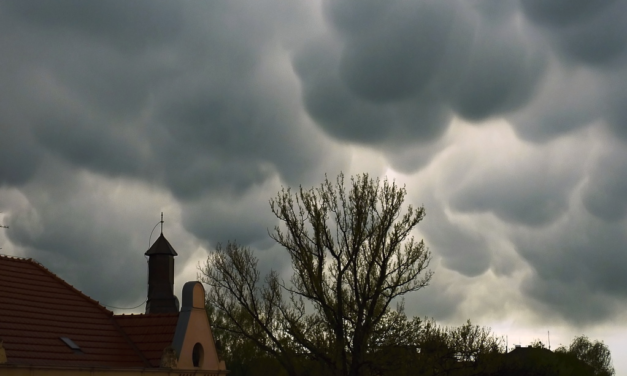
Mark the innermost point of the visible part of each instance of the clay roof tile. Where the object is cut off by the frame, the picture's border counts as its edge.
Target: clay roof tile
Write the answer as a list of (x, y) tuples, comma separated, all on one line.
[(37, 308)]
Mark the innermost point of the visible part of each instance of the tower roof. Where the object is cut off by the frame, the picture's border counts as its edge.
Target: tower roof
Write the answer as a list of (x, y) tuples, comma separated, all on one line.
[(161, 247)]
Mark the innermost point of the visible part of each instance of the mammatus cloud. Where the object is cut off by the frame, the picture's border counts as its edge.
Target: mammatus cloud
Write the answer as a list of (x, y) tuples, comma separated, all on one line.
[(505, 118), (566, 237), (591, 32), (131, 96), (393, 73)]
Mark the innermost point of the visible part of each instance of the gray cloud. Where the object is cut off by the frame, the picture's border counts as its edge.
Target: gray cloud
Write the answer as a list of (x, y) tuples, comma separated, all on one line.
[(113, 111), (568, 100), (460, 249), (350, 118), (616, 116), (203, 114), (492, 65), (605, 191), (128, 26), (91, 232), (578, 268), (532, 190), (243, 218), (395, 73), (151, 112), (393, 58), (590, 31)]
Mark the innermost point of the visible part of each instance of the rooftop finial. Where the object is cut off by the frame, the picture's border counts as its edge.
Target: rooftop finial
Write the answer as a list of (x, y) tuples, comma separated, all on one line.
[(162, 223)]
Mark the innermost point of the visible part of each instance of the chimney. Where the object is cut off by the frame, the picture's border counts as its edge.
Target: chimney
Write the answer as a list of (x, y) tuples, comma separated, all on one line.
[(161, 297)]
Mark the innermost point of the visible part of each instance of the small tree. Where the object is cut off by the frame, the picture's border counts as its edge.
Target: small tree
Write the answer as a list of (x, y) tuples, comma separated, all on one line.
[(352, 256)]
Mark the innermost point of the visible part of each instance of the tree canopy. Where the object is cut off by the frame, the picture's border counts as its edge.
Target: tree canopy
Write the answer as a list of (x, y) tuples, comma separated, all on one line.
[(341, 313), (595, 354), (352, 254)]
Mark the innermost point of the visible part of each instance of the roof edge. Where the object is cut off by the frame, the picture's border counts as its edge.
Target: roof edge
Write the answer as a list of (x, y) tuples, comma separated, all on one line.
[(130, 343), (165, 371), (49, 272)]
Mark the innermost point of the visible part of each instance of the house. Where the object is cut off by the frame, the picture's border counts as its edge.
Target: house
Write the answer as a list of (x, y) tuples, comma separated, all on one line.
[(48, 327), (532, 361)]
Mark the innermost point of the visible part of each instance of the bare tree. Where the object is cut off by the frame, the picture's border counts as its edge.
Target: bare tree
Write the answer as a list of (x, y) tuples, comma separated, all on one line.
[(352, 254)]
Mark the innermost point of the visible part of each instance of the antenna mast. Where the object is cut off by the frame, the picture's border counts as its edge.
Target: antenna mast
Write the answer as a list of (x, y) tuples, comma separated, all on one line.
[(153, 230)]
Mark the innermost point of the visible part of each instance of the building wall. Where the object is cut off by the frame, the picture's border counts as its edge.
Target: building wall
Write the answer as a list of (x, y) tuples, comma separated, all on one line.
[(198, 332), (11, 370)]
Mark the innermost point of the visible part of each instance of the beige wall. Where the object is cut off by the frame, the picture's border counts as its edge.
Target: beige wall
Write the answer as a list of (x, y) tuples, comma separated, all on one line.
[(199, 331)]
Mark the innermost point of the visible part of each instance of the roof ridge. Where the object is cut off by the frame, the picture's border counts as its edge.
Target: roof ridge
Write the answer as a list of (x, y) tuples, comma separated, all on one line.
[(135, 315), (59, 279), (18, 258)]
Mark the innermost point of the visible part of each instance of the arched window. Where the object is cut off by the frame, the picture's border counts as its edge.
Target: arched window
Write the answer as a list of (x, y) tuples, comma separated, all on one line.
[(197, 355)]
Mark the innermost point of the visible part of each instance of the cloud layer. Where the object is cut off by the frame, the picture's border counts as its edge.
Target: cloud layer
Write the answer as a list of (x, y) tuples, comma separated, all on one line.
[(505, 118)]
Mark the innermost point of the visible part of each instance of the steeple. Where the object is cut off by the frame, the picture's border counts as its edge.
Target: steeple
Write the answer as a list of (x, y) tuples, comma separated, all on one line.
[(161, 297)]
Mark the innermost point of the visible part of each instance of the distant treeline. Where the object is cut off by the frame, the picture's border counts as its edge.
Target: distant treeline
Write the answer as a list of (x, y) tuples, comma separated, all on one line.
[(422, 348)]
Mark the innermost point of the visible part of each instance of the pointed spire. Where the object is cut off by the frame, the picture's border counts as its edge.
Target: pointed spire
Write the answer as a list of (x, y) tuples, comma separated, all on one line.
[(161, 223)]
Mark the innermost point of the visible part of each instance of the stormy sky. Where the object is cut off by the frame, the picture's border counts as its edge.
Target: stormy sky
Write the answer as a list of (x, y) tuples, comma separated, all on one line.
[(506, 119)]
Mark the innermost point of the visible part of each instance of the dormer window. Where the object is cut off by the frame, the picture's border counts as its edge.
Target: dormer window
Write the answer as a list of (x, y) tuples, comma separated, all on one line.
[(197, 355), (72, 345)]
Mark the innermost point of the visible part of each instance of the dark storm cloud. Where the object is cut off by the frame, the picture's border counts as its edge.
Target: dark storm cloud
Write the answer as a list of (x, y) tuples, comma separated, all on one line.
[(593, 32), (95, 244), (508, 201), (530, 188), (245, 218), (394, 73), (579, 267), (585, 35), (214, 105), (559, 13), (368, 85), (188, 97), (492, 66), (135, 112), (347, 117), (551, 68), (459, 249), (463, 251), (616, 116), (605, 191), (560, 206), (235, 125), (390, 55), (569, 99), (120, 24)]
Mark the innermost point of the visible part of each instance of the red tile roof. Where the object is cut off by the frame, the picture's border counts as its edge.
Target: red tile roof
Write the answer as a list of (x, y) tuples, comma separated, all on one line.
[(37, 308), (150, 333)]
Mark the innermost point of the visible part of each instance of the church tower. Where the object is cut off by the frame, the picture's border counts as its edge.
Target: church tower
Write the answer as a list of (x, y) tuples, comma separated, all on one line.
[(161, 297)]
